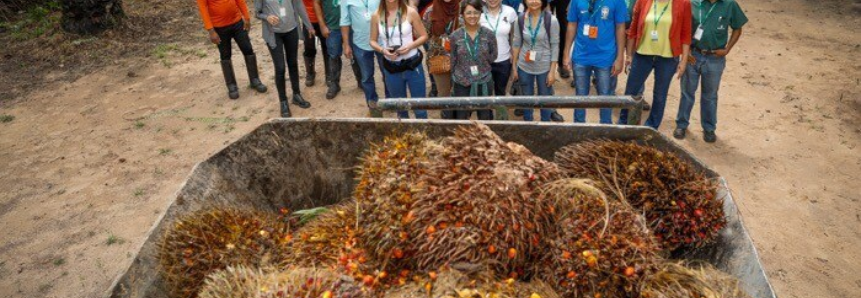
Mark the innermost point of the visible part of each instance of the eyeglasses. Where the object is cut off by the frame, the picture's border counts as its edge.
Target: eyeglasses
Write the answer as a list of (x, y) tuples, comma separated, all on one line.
[(472, 13)]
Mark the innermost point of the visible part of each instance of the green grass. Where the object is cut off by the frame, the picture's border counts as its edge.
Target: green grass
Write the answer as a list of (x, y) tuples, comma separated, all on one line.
[(35, 22), (139, 124), (6, 118), (59, 262), (113, 239), (164, 151), (139, 192)]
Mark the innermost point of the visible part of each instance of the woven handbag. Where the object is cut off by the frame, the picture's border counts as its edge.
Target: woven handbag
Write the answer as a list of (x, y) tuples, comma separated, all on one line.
[(439, 64)]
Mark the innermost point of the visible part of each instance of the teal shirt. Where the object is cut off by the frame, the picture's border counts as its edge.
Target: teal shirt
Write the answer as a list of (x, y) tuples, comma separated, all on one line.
[(725, 14), (332, 13), (356, 14)]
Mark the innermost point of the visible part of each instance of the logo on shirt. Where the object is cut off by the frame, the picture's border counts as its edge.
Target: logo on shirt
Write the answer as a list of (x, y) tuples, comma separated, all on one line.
[(605, 13)]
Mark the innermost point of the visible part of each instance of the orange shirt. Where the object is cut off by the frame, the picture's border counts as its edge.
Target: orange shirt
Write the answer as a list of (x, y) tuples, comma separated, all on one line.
[(221, 13), (309, 6)]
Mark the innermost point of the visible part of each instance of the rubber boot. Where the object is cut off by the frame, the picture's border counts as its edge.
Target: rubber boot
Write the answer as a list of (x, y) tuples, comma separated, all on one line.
[(310, 72), (285, 110), (300, 101), (357, 72), (334, 79), (253, 75), (230, 79)]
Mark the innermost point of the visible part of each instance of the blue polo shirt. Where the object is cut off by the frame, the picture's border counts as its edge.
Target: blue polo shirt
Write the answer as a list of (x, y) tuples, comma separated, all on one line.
[(606, 14)]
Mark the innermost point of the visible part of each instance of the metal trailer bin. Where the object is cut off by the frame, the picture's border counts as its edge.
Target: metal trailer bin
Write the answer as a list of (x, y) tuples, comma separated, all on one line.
[(306, 163)]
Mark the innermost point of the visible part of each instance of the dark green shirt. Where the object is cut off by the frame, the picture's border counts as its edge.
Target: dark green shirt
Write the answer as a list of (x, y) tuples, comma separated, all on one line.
[(726, 14), (332, 12)]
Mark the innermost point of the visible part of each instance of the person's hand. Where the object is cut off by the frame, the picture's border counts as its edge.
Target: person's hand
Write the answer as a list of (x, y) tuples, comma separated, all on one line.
[(618, 66), (273, 20), (324, 30), (213, 37), (246, 25), (551, 78), (681, 70), (721, 53), (348, 52), (311, 31), (514, 76), (389, 54), (628, 66), (403, 50), (566, 63)]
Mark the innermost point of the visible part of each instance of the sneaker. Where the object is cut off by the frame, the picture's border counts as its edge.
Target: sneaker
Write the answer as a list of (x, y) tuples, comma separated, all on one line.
[(563, 73), (556, 117), (709, 137), (679, 133)]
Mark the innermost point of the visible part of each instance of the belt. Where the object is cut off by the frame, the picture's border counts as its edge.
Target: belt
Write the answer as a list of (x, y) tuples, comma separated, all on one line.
[(701, 51)]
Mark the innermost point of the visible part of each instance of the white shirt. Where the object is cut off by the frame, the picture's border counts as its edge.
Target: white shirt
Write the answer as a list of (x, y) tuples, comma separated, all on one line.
[(507, 19)]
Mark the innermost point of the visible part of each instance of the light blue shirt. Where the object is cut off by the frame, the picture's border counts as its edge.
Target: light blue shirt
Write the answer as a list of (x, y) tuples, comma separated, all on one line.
[(356, 14)]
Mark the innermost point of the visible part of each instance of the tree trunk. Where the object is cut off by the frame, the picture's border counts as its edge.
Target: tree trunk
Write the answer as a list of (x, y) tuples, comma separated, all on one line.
[(91, 16)]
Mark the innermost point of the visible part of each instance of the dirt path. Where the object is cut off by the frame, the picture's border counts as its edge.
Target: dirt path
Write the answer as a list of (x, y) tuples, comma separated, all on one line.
[(89, 166)]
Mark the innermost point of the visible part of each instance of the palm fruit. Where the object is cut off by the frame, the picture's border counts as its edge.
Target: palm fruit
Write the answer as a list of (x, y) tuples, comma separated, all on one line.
[(329, 241), (268, 282), (451, 283), (477, 204), (679, 202), (601, 246), (672, 279), (212, 239)]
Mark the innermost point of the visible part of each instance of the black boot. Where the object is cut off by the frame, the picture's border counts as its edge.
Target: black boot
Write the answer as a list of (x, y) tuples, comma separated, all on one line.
[(229, 79), (310, 72), (253, 76), (299, 101), (357, 72), (285, 110), (334, 79)]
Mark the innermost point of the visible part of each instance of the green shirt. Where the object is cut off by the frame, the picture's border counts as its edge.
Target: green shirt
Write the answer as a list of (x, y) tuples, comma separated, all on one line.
[(332, 12), (725, 14)]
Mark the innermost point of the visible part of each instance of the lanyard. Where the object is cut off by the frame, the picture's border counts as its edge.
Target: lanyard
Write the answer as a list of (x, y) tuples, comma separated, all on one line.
[(386, 28), (593, 11), (702, 20), (473, 51), (498, 17), (658, 17), (367, 6), (534, 32)]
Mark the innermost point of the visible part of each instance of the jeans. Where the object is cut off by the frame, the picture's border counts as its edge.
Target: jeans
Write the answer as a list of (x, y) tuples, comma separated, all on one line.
[(528, 82), (707, 71), (366, 64), (334, 45), (237, 33), (398, 83), (604, 85), (463, 91), (286, 48), (641, 67)]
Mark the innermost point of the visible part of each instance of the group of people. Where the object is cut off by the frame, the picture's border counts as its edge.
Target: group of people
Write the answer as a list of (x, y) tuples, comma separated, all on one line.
[(479, 47)]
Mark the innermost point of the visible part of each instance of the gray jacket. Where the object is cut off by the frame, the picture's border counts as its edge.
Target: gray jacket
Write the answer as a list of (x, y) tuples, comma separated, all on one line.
[(295, 9)]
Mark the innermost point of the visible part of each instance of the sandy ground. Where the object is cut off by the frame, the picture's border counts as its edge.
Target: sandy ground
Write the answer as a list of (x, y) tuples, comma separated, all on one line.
[(88, 166)]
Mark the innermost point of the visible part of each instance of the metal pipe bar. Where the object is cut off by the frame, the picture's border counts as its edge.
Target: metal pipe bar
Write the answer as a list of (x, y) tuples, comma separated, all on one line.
[(524, 102)]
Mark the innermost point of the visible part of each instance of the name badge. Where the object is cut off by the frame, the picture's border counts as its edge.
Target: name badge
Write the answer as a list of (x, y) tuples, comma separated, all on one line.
[(367, 15), (474, 70), (593, 32), (531, 56), (654, 35), (586, 30), (282, 12), (699, 34)]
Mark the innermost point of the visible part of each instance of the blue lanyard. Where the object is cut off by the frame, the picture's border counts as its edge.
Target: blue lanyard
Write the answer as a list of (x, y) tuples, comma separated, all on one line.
[(534, 32)]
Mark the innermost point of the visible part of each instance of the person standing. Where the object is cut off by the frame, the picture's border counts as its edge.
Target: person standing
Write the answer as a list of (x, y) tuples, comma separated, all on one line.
[(330, 12), (711, 22), (402, 64), (502, 20), (659, 38), (536, 51), (226, 20), (473, 49), (282, 29), (442, 21), (596, 31), (356, 30), (560, 10), (310, 43)]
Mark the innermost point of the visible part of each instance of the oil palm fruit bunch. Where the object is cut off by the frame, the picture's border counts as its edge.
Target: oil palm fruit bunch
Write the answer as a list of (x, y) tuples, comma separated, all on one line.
[(451, 283), (477, 204), (386, 188), (268, 282), (678, 201), (601, 247), (329, 241), (674, 279), (214, 238)]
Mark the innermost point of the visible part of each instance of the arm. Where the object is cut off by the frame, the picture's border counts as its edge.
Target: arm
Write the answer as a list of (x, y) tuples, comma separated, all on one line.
[(203, 6), (686, 40), (375, 37), (299, 6), (345, 31), (620, 50), (554, 51), (420, 34), (737, 21), (453, 61), (516, 43), (318, 10), (243, 8), (493, 46), (569, 41)]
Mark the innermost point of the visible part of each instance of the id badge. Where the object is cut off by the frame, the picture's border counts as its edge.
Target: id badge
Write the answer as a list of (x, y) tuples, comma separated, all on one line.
[(593, 32), (531, 56), (655, 35), (367, 15), (586, 29), (474, 70), (282, 12), (699, 33), (446, 44)]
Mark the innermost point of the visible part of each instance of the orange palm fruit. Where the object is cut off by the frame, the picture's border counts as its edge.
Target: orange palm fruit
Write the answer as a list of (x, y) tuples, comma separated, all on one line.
[(512, 253)]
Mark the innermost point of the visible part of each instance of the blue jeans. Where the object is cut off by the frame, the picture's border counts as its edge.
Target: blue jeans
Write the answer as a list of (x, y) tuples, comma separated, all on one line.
[(528, 82), (398, 83), (366, 65), (604, 83), (333, 43), (641, 68), (707, 71)]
